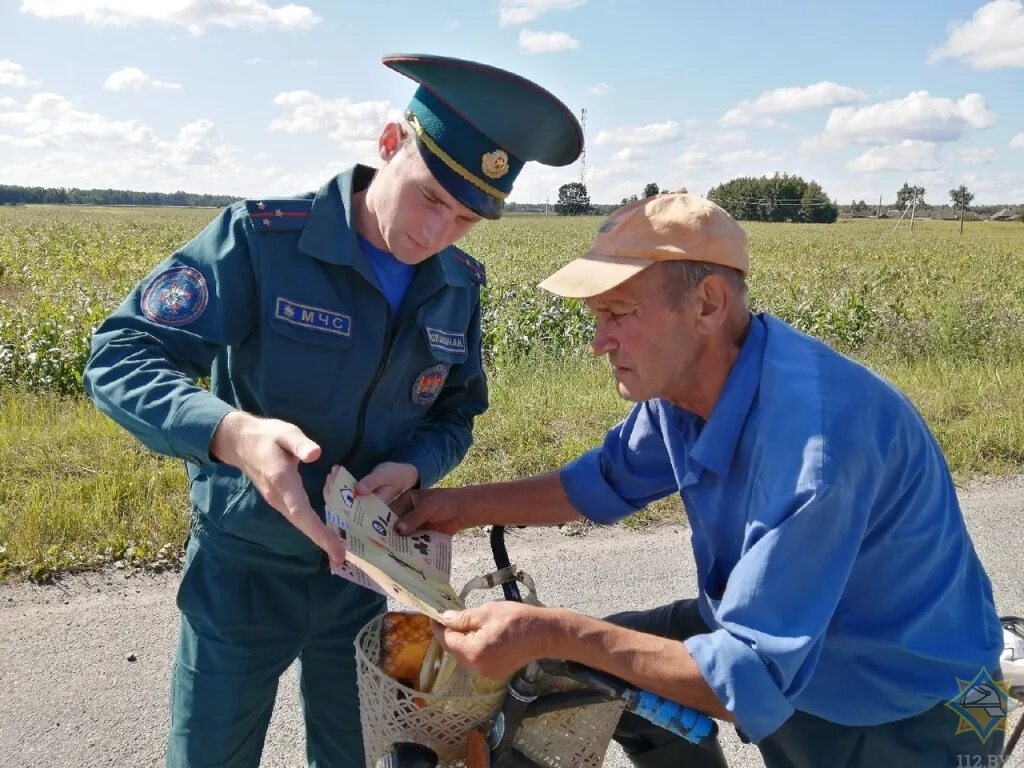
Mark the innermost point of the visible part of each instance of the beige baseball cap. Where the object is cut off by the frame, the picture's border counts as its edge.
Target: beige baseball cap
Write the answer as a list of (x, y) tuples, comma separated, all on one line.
[(671, 227)]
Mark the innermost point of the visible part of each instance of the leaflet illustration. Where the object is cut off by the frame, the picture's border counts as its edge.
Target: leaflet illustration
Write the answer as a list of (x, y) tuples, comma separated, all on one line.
[(413, 570)]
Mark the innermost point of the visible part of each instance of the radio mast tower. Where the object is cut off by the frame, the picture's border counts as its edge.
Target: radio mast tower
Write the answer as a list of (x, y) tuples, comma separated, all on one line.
[(583, 154)]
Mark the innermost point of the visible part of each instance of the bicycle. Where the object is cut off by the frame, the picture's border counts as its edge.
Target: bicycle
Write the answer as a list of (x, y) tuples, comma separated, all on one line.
[(510, 715), (551, 714)]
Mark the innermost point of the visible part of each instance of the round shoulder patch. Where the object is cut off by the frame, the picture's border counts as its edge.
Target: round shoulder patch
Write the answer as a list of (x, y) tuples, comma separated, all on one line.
[(175, 297), (428, 384)]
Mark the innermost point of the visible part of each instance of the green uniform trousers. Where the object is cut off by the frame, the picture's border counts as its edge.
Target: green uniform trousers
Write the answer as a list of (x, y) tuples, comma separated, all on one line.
[(241, 628)]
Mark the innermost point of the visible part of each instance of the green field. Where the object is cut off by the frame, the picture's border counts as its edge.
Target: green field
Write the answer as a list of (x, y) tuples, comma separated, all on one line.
[(941, 316)]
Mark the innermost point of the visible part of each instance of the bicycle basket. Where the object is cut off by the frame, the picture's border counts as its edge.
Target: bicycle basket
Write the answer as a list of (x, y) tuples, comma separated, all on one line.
[(392, 712)]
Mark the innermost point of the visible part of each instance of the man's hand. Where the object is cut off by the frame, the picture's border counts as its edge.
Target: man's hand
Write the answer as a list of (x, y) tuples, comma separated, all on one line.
[(268, 451), (496, 639), (437, 509), (388, 481)]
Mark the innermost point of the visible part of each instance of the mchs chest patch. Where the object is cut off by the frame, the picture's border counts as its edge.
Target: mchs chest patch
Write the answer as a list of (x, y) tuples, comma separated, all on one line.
[(314, 318)]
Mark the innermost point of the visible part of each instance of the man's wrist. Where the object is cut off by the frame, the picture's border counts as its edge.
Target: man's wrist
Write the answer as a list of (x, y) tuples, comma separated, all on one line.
[(224, 443)]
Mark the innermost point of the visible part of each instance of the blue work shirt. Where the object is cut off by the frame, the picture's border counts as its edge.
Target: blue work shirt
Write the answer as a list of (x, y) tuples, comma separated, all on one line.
[(833, 564), (393, 276)]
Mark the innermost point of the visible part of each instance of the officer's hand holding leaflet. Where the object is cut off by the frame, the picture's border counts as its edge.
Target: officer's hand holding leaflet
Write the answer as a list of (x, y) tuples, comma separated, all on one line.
[(388, 481), (268, 452)]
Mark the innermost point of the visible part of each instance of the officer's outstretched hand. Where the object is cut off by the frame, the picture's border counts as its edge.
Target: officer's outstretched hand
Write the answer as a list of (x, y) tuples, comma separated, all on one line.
[(437, 509), (388, 481), (268, 451)]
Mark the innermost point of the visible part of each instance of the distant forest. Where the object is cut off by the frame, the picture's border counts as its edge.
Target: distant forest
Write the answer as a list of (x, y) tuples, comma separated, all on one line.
[(12, 195)]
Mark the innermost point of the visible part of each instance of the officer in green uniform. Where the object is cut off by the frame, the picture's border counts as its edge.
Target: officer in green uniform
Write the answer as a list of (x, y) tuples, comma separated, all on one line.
[(342, 327)]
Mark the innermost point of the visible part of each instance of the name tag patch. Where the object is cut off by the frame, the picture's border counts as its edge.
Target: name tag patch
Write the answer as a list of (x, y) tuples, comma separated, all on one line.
[(314, 318), (446, 341), (428, 384)]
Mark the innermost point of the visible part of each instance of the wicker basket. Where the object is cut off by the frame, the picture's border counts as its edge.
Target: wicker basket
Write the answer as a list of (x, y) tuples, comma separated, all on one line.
[(392, 712)]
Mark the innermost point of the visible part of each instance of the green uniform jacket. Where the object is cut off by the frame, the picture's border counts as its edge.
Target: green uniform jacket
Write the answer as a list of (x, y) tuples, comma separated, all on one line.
[(275, 302)]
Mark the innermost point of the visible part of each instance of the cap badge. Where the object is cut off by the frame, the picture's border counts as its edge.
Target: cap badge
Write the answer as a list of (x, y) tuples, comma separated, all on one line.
[(495, 164)]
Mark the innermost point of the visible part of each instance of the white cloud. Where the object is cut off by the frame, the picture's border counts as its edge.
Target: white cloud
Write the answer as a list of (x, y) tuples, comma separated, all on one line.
[(53, 120), (536, 41), (61, 144), (908, 155), (1017, 142), (254, 60), (600, 89), (991, 39), (699, 159), (731, 137), (12, 74), (918, 116), (748, 156), (653, 133), (795, 99), (627, 154), (514, 12), (354, 124), (133, 78), (978, 155), (193, 15), (453, 24)]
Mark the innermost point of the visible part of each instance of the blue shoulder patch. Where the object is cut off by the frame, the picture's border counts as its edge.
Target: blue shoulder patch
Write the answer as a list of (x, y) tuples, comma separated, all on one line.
[(473, 267), (279, 215)]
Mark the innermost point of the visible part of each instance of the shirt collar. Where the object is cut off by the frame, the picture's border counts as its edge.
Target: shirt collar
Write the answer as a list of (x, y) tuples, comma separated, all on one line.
[(329, 234), (720, 435)]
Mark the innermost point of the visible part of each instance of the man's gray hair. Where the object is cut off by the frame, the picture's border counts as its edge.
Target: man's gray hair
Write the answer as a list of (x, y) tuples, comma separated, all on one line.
[(679, 278)]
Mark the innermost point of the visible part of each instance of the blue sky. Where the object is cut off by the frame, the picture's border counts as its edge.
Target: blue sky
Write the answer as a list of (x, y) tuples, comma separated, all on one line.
[(263, 97)]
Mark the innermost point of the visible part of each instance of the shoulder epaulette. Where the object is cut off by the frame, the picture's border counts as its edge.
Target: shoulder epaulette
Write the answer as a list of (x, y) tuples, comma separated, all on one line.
[(473, 267), (279, 215)]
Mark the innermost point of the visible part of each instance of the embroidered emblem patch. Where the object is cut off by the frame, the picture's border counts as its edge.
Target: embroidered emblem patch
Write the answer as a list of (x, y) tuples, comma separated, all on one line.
[(314, 318), (494, 164), (446, 341), (428, 384), (175, 297)]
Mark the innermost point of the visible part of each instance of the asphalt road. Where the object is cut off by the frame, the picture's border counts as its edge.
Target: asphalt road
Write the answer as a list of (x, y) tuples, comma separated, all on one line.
[(70, 696)]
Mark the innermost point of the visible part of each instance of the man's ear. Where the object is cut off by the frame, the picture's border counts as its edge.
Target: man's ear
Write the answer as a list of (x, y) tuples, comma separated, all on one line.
[(390, 141), (714, 299)]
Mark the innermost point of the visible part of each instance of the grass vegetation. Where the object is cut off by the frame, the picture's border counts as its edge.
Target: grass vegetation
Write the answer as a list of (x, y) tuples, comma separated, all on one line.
[(941, 317)]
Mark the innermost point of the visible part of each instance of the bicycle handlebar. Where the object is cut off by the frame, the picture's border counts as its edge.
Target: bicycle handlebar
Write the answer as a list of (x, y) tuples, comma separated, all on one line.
[(674, 717), (677, 718)]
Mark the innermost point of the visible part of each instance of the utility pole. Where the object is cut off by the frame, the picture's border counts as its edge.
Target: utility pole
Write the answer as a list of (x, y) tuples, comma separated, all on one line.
[(901, 219), (583, 153), (913, 210), (878, 213)]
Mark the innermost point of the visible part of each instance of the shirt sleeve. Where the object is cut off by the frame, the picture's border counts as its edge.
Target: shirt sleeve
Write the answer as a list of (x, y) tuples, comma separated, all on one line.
[(147, 354), (778, 603), (627, 472), (441, 440)]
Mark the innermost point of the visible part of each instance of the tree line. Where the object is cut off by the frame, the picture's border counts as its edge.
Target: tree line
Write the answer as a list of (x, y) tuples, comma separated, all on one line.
[(781, 197), (11, 194)]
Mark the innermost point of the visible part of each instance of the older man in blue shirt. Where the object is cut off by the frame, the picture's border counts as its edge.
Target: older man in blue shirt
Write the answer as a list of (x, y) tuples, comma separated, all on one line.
[(840, 597)]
